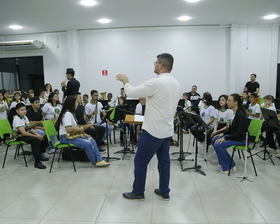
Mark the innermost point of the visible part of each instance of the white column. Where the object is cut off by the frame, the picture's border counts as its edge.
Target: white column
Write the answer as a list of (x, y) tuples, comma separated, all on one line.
[(73, 59), (273, 59), (231, 80)]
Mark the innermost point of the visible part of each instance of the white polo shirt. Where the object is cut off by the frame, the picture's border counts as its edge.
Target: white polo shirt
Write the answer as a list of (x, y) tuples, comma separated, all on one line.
[(19, 122), (3, 114), (14, 103), (223, 116), (51, 111), (68, 120), (90, 107), (254, 109), (162, 95)]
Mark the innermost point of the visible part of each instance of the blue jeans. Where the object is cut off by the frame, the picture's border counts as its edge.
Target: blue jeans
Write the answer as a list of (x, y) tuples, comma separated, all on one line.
[(110, 129), (223, 156), (148, 146), (89, 146)]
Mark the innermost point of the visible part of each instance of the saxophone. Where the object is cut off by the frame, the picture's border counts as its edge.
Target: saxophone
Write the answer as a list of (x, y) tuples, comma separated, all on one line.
[(17, 133), (72, 135)]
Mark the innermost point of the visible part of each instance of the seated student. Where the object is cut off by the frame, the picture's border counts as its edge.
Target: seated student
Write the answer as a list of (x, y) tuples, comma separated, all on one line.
[(58, 94), (207, 113), (85, 99), (245, 99), (111, 102), (51, 111), (235, 135), (35, 114), (187, 108), (68, 124), (93, 111), (3, 112), (96, 132), (42, 96), (16, 99), (7, 97), (29, 136), (222, 117), (123, 126), (30, 94), (254, 110)]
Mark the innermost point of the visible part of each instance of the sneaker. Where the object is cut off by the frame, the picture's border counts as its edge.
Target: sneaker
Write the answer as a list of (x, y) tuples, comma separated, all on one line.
[(102, 163), (132, 196), (46, 155), (165, 198), (272, 151), (39, 165), (219, 166), (51, 151), (175, 143), (102, 150), (226, 172), (184, 131)]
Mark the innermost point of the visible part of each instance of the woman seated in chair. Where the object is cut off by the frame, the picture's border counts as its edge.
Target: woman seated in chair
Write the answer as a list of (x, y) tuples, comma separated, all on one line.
[(67, 123), (29, 136), (235, 135)]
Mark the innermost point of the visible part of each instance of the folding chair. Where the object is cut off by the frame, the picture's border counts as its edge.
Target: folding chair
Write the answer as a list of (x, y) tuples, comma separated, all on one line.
[(49, 131), (5, 128), (254, 130)]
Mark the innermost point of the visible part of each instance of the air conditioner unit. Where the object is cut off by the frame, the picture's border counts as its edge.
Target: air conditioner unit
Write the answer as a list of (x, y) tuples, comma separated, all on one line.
[(21, 45)]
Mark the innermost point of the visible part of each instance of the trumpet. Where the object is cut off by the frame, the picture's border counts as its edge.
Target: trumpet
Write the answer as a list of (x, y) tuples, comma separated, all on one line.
[(72, 135), (17, 133)]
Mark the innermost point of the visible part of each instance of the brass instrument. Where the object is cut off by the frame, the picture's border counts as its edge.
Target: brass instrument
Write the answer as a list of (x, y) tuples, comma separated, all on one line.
[(103, 96), (17, 133), (72, 135)]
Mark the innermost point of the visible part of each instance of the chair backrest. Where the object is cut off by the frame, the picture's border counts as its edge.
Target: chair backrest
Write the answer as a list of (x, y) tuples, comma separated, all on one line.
[(254, 128), (49, 129), (5, 127)]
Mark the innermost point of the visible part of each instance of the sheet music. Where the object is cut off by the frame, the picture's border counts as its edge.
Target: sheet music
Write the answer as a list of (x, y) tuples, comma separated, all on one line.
[(139, 118)]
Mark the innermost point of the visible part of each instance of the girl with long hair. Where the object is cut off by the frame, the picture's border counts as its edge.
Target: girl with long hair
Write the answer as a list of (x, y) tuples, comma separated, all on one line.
[(48, 90), (235, 135), (17, 98), (67, 123)]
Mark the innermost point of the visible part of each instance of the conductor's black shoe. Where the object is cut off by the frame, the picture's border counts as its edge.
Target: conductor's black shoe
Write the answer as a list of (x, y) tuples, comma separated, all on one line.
[(165, 197), (43, 159), (39, 165), (132, 196), (102, 150)]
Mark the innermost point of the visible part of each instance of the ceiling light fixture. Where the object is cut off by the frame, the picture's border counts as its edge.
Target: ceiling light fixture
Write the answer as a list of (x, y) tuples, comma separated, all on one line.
[(184, 18), (88, 2), (15, 27), (270, 17), (104, 20), (192, 0)]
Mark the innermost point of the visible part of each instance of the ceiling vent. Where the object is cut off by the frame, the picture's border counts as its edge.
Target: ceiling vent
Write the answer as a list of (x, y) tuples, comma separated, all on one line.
[(21, 45)]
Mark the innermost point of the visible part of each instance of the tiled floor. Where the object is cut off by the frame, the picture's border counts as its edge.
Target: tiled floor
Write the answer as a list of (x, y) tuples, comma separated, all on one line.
[(94, 195)]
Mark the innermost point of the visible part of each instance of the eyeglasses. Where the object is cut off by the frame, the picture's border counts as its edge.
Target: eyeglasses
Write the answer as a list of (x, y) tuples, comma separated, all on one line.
[(156, 62)]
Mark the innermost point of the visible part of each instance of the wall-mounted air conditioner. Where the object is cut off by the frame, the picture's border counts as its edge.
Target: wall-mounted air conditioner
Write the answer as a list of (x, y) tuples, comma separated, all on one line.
[(21, 45)]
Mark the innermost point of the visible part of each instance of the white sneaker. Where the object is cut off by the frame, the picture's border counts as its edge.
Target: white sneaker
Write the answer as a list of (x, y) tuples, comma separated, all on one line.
[(272, 151), (51, 151), (226, 171), (46, 155)]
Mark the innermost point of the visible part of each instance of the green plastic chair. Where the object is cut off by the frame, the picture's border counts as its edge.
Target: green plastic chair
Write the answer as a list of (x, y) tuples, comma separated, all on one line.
[(49, 131), (254, 130), (5, 128)]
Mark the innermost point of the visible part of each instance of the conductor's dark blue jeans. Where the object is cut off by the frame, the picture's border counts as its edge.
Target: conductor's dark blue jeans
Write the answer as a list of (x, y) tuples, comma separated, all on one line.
[(148, 146)]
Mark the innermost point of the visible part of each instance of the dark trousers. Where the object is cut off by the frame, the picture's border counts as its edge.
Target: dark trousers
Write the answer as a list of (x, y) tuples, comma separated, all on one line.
[(36, 145), (123, 127), (148, 146), (269, 136), (96, 133)]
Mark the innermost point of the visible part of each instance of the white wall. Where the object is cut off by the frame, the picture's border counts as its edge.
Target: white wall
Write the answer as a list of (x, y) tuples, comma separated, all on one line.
[(213, 58)]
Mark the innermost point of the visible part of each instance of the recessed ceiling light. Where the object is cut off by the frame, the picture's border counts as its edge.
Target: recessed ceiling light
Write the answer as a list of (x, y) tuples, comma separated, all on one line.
[(88, 2), (192, 0), (15, 27), (270, 17), (184, 18), (104, 20)]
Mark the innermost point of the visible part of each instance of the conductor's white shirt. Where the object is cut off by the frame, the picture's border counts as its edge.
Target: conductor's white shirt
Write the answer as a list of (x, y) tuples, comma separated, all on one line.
[(162, 95)]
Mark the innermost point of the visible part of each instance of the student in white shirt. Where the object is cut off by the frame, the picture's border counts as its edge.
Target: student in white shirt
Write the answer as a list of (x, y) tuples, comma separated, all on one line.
[(48, 90), (3, 111), (42, 96), (162, 94), (30, 94), (68, 124), (254, 110), (17, 98), (93, 111), (20, 121)]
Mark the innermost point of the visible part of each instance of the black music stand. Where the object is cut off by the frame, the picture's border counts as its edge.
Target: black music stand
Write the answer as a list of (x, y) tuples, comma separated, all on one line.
[(270, 119), (197, 121), (107, 117), (120, 113)]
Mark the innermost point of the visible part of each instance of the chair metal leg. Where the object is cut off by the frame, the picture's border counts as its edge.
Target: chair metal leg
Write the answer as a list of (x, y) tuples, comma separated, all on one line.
[(23, 155), (5, 157), (71, 151), (52, 161), (253, 162), (239, 154)]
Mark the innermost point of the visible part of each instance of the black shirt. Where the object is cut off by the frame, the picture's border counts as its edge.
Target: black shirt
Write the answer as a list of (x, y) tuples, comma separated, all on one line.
[(193, 97), (73, 86), (34, 116), (80, 111), (252, 86)]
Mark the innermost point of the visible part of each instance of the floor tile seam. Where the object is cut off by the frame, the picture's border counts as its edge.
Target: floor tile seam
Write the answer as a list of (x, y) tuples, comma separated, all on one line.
[(12, 200)]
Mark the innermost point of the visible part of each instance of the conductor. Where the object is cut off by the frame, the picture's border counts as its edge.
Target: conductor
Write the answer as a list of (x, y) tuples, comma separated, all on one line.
[(162, 94)]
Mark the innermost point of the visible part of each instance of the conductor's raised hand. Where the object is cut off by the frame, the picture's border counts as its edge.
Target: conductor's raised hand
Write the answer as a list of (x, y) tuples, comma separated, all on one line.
[(123, 78)]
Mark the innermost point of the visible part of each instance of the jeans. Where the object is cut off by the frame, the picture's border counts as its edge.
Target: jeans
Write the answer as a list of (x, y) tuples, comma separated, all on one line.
[(224, 157), (110, 129), (89, 146), (148, 146)]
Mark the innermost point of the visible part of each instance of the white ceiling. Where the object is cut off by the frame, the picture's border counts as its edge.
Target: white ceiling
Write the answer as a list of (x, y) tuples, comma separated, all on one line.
[(59, 15)]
